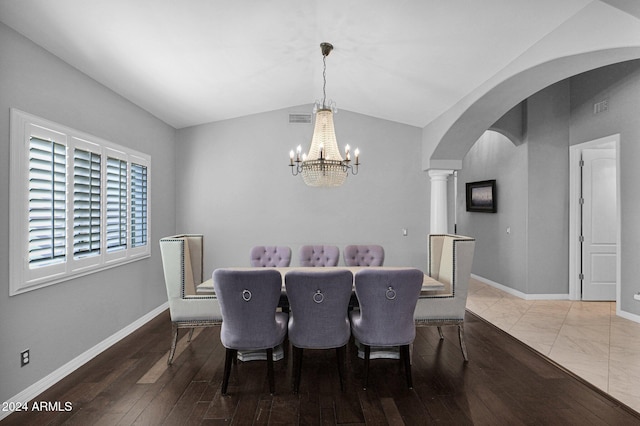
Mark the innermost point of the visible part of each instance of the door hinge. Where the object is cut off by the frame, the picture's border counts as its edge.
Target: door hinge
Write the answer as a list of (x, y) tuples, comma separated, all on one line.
[(581, 164), (581, 201), (581, 276), (581, 238)]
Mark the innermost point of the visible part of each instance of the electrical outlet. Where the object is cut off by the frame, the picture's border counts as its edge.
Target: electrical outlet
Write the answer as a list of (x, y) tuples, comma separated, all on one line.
[(24, 357)]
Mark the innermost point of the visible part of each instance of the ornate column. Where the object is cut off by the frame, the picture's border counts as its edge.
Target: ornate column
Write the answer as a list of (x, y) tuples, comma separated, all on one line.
[(438, 224)]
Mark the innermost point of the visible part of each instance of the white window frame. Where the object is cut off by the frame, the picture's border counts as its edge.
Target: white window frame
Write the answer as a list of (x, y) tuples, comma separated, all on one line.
[(22, 278)]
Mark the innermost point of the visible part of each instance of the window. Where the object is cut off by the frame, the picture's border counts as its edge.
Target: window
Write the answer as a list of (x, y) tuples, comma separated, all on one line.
[(78, 204), (86, 203), (47, 202), (138, 205), (116, 204)]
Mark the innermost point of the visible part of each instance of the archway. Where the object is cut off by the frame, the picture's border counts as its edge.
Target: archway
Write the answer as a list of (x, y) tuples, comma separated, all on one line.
[(447, 139)]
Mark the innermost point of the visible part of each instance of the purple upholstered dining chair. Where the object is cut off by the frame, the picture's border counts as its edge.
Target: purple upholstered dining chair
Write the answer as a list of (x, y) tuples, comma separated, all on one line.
[(270, 256), (319, 303), (363, 255), (319, 255), (387, 300), (248, 302)]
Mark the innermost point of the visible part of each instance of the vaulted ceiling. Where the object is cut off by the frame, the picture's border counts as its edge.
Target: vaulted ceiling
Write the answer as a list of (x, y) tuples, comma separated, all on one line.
[(196, 61)]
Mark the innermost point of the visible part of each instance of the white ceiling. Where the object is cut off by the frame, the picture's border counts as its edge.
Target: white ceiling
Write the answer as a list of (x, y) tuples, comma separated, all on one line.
[(196, 61)]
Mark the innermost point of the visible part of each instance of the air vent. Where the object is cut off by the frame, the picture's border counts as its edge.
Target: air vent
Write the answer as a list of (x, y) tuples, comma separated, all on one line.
[(299, 118), (601, 106)]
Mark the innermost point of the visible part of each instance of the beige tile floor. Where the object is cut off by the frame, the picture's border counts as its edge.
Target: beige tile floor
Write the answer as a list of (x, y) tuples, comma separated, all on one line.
[(586, 338)]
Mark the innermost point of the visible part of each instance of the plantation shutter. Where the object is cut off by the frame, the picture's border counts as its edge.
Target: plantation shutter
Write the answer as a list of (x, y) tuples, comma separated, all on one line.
[(86, 203), (47, 202), (116, 204), (138, 205)]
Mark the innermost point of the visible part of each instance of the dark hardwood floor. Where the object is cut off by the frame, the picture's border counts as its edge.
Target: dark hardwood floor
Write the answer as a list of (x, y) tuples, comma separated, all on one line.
[(505, 383)]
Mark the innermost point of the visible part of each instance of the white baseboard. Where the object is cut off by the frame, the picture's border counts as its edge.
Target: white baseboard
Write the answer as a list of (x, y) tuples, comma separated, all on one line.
[(520, 294), (46, 382), (627, 315), (620, 313)]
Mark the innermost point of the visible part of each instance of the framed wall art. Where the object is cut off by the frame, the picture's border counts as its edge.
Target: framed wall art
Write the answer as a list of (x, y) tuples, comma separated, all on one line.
[(481, 196)]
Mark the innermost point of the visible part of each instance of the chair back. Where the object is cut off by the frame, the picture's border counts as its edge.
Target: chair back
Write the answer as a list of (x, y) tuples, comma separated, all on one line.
[(387, 301), (248, 301), (450, 261), (270, 256), (182, 262), (363, 255), (319, 255), (319, 303)]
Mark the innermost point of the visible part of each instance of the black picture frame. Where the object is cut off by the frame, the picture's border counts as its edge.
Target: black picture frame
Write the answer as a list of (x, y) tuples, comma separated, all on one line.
[(481, 196)]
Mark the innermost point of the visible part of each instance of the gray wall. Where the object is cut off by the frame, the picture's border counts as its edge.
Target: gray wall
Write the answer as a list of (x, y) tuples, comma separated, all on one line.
[(620, 84), (532, 181), (499, 256), (235, 187), (547, 141), (60, 322)]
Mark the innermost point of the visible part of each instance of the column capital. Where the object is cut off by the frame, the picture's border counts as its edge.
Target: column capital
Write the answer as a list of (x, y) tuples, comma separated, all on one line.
[(439, 174)]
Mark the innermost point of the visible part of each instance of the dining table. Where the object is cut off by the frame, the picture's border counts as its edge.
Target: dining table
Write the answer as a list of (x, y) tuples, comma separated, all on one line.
[(429, 284)]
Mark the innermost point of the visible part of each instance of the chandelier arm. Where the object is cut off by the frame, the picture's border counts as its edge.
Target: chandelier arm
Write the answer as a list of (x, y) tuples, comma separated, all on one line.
[(295, 168), (346, 167)]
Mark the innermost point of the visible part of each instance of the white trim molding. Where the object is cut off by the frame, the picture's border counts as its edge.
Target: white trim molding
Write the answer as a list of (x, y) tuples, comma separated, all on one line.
[(521, 295), (627, 315)]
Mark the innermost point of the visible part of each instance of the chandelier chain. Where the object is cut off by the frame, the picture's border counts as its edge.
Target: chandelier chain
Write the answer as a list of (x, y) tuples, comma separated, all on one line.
[(324, 79)]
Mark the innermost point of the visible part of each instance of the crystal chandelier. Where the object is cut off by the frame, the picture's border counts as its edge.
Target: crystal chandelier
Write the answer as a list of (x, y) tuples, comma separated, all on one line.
[(323, 165)]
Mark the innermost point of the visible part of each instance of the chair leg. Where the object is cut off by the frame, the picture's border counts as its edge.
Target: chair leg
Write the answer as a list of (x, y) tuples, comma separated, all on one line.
[(440, 333), (405, 356), (270, 371), (367, 355), (229, 355), (463, 346), (174, 343), (190, 334), (340, 355), (297, 368)]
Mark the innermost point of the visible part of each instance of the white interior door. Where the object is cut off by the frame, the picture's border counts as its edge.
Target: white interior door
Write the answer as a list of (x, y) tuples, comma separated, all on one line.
[(599, 225)]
